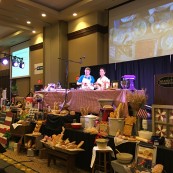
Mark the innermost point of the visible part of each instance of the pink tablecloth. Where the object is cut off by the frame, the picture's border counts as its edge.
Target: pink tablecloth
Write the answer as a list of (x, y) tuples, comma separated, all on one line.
[(82, 98), (79, 98)]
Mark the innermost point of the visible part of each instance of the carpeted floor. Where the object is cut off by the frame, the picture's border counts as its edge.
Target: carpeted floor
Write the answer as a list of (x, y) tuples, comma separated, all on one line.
[(19, 163)]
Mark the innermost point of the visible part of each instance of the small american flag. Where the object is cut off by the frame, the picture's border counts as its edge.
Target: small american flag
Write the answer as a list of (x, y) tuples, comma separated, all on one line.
[(142, 113)]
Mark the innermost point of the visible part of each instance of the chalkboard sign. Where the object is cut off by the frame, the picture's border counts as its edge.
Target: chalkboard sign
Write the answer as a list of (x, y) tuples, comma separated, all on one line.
[(163, 89)]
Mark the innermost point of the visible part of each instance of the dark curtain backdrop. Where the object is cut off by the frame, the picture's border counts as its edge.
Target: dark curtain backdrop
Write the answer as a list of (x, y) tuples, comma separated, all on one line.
[(144, 70)]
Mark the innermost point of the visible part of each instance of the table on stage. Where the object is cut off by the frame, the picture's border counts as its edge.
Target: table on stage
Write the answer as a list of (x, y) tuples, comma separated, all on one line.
[(85, 98)]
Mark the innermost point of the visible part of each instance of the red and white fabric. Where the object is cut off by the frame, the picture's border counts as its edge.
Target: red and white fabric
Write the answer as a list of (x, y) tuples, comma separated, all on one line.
[(4, 127), (142, 113)]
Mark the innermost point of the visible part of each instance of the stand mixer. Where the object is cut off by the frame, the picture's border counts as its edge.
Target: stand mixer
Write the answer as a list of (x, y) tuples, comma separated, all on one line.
[(131, 79)]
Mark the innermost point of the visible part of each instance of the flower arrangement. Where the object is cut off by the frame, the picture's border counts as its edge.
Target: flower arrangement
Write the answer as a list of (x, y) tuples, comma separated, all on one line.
[(137, 99)]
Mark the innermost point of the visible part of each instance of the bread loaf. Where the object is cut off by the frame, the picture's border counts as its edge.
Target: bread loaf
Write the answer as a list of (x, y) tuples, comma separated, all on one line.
[(80, 144)]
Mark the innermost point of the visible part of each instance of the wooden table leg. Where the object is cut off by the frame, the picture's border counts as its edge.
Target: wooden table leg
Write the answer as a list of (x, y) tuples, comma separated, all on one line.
[(71, 163), (105, 163), (50, 157), (49, 160)]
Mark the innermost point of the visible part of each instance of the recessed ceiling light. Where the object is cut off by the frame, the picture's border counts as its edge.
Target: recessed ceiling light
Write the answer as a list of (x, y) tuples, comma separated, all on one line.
[(74, 14), (43, 15), (33, 31), (28, 22)]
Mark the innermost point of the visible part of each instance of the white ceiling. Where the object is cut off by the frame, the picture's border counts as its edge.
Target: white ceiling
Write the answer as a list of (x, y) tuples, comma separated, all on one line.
[(15, 13)]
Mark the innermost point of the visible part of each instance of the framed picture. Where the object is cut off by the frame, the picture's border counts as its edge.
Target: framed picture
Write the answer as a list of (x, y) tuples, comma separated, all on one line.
[(145, 155), (114, 84), (162, 120)]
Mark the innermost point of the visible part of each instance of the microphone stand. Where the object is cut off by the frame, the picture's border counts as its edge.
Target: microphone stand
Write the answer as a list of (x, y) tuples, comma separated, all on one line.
[(66, 77)]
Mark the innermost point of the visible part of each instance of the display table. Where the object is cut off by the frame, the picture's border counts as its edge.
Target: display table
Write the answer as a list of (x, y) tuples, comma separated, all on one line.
[(120, 168), (83, 160), (54, 123), (101, 159), (164, 155), (20, 132), (67, 157), (85, 98)]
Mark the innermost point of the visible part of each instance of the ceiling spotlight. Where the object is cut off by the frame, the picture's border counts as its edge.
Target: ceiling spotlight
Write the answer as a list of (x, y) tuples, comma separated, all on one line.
[(28, 22), (43, 15), (4, 61), (74, 14), (21, 63), (33, 31), (15, 62)]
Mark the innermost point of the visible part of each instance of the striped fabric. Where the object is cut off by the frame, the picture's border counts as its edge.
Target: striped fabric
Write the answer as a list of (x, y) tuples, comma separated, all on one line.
[(4, 127)]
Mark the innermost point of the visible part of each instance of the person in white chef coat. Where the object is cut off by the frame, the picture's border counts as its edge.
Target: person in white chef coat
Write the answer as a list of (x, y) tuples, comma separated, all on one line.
[(86, 81), (102, 82)]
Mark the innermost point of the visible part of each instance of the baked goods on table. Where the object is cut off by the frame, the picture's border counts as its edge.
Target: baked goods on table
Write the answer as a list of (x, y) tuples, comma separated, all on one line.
[(91, 130), (37, 128), (107, 107), (118, 111), (129, 121), (157, 168), (57, 142)]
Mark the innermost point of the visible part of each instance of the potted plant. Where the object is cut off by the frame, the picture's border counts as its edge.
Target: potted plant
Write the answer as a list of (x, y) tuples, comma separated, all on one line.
[(14, 90)]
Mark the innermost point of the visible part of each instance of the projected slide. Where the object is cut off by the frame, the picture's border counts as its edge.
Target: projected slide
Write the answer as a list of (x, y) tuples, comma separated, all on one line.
[(142, 35), (19, 72)]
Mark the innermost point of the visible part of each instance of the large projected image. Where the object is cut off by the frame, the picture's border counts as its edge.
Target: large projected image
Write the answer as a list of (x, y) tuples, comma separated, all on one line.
[(17, 72), (142, 35)]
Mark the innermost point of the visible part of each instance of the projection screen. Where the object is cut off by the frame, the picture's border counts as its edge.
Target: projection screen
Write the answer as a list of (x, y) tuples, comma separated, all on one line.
[(140, 29)]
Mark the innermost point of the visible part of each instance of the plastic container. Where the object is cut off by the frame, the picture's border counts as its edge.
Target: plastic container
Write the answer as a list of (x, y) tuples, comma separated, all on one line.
[(115, 124)]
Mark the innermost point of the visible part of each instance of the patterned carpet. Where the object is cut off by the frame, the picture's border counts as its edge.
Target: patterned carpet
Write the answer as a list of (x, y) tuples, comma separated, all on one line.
[(29, 164)]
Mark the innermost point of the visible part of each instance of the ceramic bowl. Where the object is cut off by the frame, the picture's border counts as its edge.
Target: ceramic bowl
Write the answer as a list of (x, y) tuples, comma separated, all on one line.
[(124, 157), (101, 143)]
